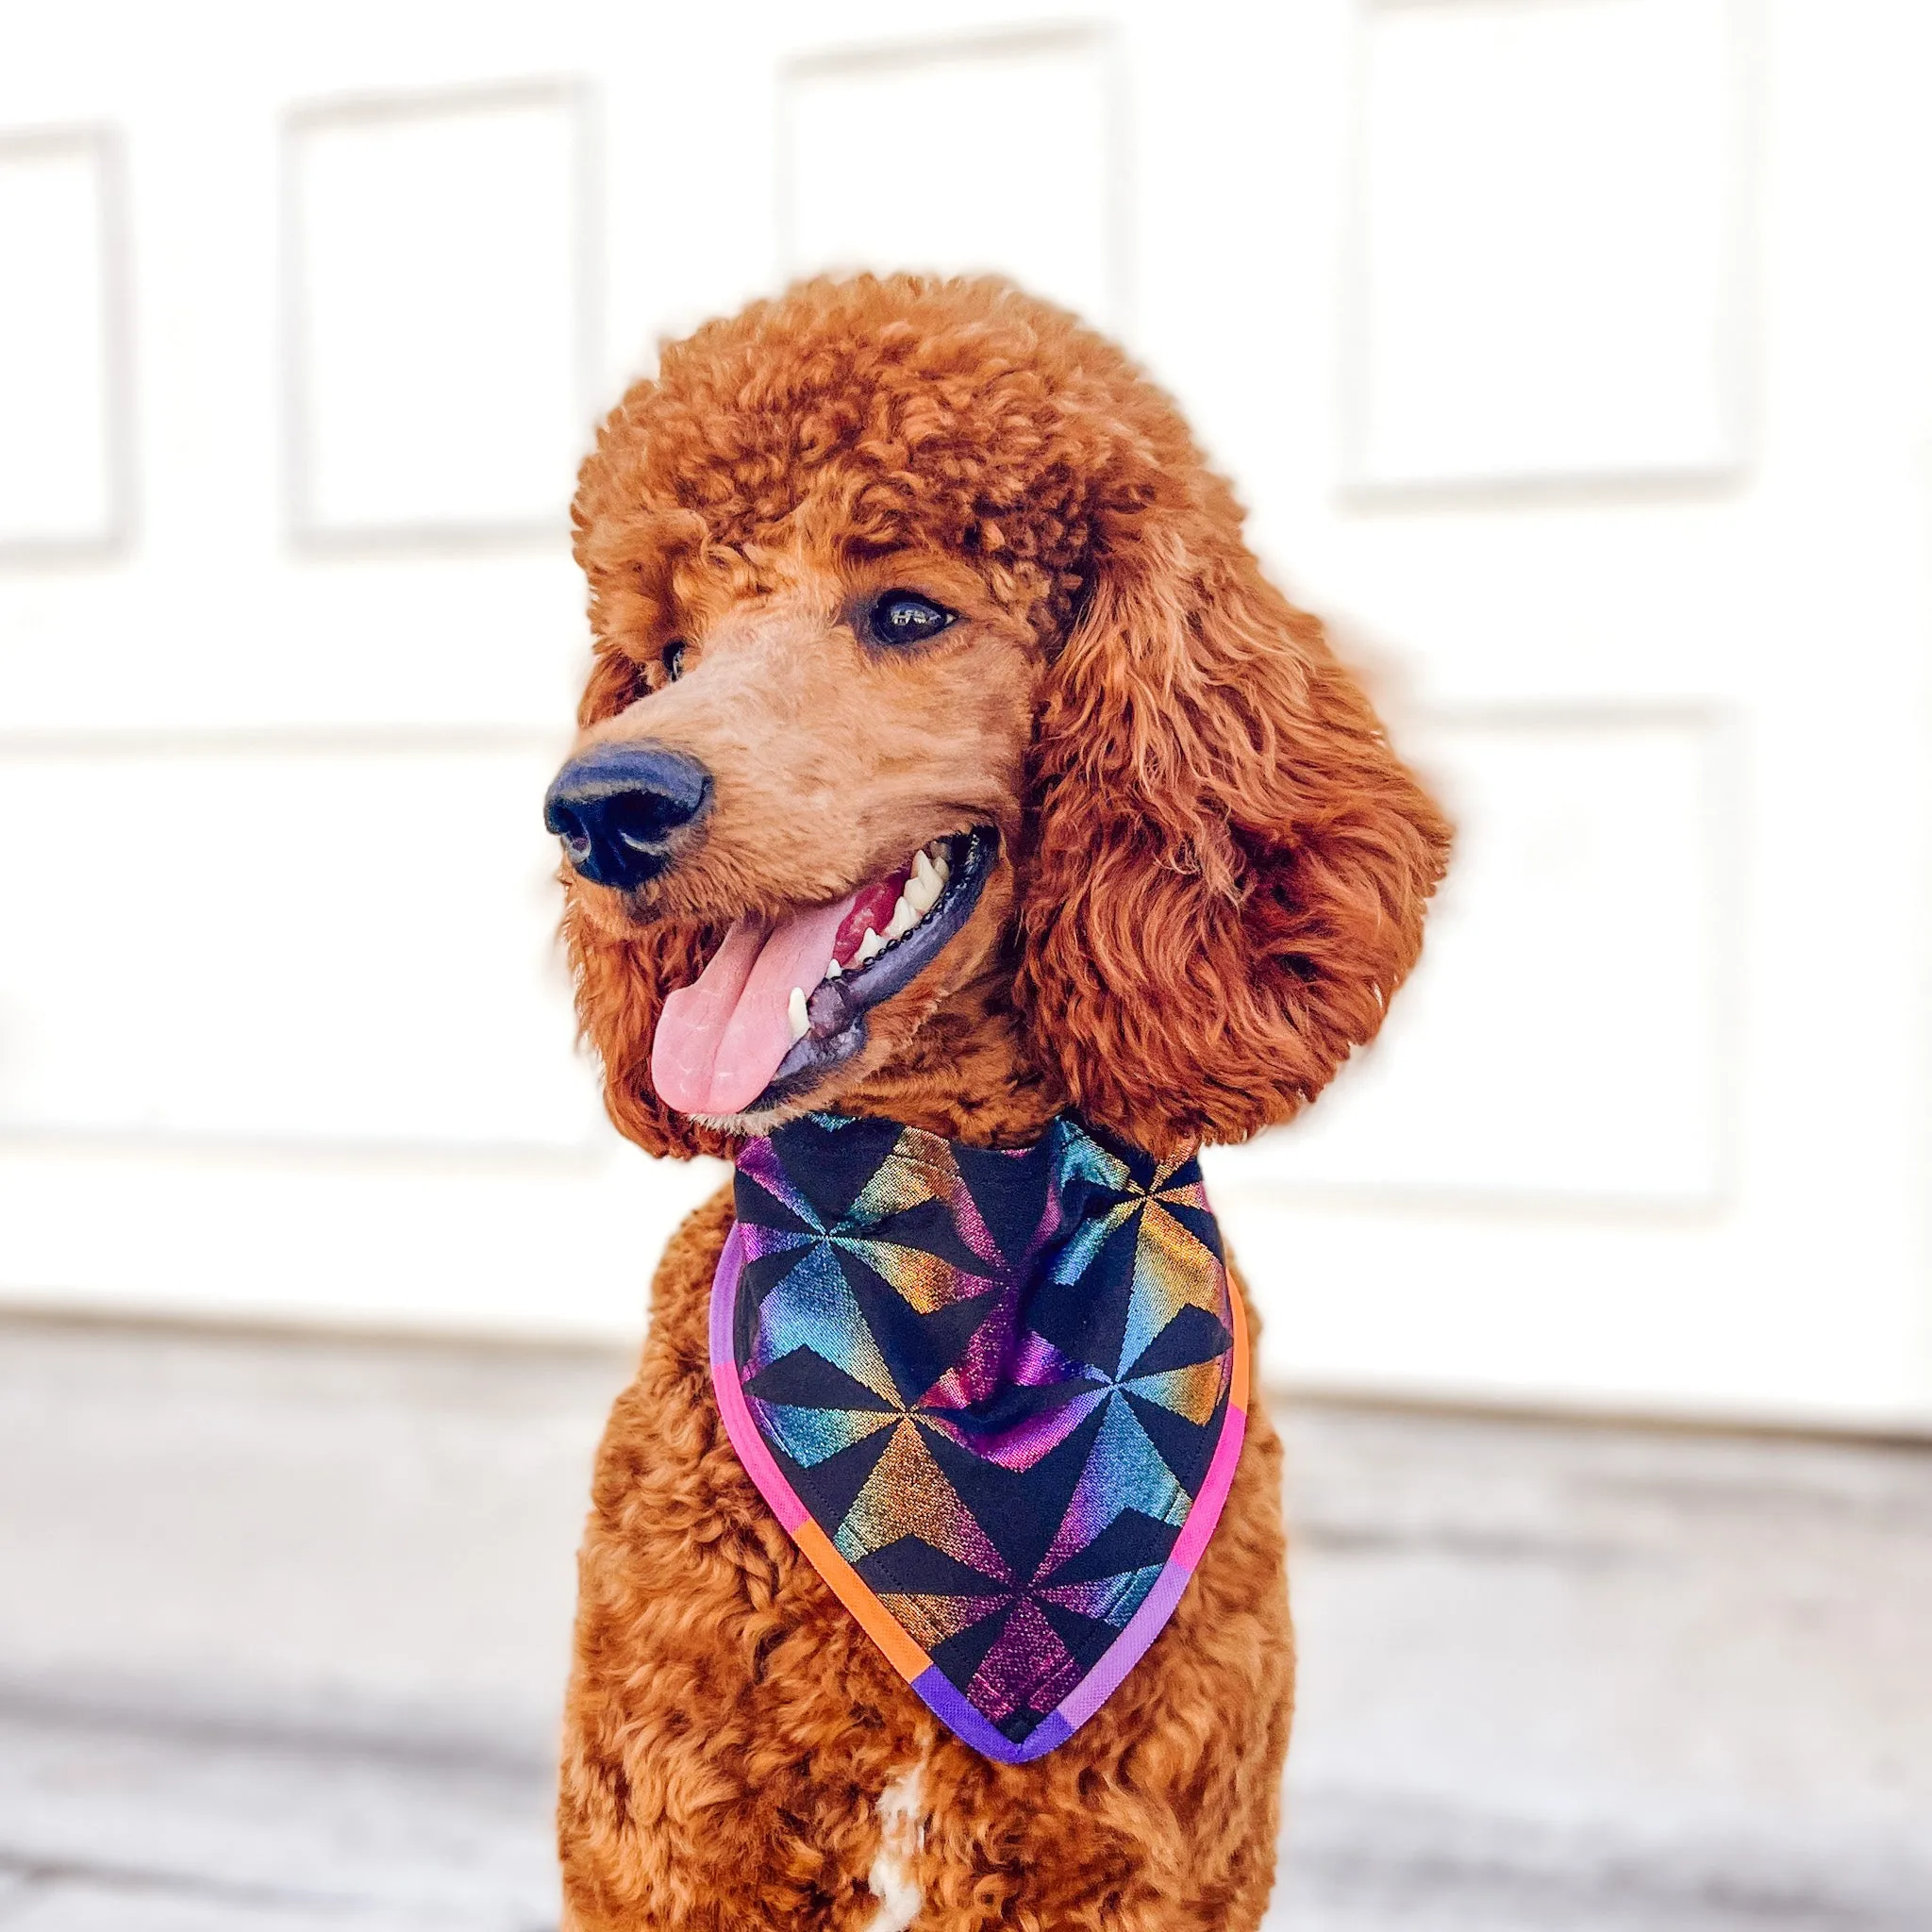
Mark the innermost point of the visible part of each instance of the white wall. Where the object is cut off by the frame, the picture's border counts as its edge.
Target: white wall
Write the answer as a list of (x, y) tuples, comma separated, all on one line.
[(1570, 353)]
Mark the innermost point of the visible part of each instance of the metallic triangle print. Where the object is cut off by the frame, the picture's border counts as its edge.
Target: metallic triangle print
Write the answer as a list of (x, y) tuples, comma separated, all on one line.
[(996, 1396)]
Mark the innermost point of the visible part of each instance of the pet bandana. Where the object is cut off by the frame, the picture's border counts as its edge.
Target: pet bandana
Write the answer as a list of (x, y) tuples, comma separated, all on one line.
[(995, 1397)]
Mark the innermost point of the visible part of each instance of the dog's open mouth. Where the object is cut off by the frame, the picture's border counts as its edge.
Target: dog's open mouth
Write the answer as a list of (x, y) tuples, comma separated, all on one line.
[(782, 1004)]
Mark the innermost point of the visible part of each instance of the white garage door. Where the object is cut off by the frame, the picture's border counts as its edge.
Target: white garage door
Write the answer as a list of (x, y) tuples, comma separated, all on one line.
[(1571, 353)]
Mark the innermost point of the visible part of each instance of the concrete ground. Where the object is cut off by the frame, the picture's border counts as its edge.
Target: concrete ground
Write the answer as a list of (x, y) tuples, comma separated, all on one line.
[(283, 1622)]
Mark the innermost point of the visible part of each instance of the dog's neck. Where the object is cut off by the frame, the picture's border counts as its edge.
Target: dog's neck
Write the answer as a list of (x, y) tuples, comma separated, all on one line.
[(968, 1073)]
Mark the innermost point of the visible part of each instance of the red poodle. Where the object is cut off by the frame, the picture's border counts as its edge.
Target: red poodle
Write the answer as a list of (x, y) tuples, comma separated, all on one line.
[(960, 832)]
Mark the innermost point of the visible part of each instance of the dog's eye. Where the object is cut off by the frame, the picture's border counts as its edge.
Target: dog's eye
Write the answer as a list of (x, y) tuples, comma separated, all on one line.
[(904, 617), (673, 660)]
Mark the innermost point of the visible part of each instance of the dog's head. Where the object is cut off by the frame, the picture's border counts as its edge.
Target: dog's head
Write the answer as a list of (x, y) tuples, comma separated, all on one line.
[(929, 658)]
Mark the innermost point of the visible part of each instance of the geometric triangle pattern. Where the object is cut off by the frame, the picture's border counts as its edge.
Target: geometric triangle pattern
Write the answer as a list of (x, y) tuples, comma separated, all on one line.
[(996, 1396)]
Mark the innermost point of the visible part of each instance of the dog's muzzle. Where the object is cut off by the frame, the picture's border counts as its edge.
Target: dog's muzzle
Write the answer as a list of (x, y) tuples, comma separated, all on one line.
[(623, 811)]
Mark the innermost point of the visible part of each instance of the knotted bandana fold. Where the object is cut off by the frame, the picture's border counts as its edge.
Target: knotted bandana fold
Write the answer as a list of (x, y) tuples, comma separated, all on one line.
[(996, 1396)]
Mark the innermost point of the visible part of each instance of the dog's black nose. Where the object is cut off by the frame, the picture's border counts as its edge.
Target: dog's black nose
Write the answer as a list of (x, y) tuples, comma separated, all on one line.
[(618, 807)]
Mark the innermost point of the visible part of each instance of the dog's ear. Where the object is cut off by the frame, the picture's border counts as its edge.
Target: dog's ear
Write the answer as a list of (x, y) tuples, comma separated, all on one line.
[(1227, 865), (621, 987)]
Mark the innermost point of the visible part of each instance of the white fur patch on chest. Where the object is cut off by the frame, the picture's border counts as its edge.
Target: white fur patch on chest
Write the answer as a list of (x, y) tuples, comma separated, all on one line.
[(902, 1832)]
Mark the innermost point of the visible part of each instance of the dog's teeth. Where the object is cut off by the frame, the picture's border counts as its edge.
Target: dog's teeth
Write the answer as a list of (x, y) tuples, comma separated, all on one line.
[(871, 946), (927, 873), (922, 889), (835, 971), (801, 1020), (904, 917)]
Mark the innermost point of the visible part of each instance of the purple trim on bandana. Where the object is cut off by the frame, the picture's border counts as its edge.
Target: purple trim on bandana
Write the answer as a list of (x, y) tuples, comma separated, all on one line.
[(739, 1426)]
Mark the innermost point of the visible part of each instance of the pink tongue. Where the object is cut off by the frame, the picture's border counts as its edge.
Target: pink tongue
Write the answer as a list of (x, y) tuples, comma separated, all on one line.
[(720, 1040)]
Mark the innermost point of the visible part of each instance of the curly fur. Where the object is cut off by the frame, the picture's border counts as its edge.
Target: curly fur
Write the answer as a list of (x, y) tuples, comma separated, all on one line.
[(1212, 877)]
